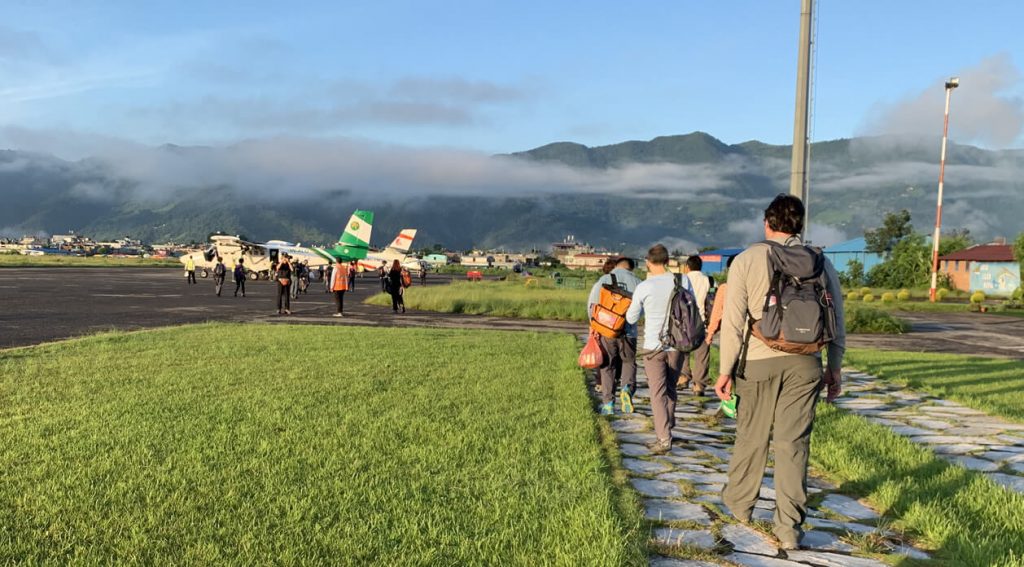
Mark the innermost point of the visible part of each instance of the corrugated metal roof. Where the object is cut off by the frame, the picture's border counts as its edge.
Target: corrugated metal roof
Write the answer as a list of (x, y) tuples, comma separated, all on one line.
[(983, 253)]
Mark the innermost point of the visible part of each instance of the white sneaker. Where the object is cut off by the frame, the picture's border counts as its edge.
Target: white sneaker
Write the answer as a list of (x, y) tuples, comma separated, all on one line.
[(338, 315)]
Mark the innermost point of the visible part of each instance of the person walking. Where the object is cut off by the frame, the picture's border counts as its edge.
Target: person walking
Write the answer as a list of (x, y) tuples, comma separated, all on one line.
[(339, 285), (320, 276), (383, 272), (700, 358), (283, 277), (661, 362), (190, 270), (423, 274), (620, 353), (220, 273), (777, 391), (352, 270), (327, 279), (715, 321), (396, 287), (240, 277)]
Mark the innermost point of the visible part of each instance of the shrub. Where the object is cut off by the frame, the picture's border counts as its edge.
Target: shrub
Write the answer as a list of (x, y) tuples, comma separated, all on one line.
[(873, 321), (865, 290), (941, 293), (888, 297), (903, 295), (853, 296), (868, 298), (977, 297), (1018, 294)]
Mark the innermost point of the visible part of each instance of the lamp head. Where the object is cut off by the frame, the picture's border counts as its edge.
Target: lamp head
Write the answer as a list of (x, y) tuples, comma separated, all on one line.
[(953, 83)]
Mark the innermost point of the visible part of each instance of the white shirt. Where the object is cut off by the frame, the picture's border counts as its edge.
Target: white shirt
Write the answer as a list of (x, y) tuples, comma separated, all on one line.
[(701, 285)]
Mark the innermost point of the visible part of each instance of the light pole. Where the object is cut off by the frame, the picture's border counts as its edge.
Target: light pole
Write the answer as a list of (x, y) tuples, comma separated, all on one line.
[(798, 167), (951, 84)]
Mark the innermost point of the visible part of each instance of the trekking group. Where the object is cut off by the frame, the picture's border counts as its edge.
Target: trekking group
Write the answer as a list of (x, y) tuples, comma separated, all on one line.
[(780, 309)]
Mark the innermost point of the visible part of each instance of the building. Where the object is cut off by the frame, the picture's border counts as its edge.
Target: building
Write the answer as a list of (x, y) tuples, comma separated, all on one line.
[(857, 249), (716, 260), (989, 268), (569, 247), (587, 261)]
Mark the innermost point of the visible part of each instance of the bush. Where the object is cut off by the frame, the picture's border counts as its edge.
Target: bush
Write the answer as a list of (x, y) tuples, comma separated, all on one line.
[(977, 297), (865, 290), (888, 297), (941, 293), (853, 296), (903, 295), (873, 321), (868, 298)]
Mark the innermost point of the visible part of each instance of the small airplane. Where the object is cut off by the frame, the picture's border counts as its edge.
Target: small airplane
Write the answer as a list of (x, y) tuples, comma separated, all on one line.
[(397, 250), (258, 257)]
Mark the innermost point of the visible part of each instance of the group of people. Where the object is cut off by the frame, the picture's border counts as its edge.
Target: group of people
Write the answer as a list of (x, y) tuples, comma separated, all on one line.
[(776, 390)]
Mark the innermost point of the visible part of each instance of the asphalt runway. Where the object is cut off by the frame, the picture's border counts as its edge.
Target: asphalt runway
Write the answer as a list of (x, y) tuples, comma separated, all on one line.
[(40, 305)]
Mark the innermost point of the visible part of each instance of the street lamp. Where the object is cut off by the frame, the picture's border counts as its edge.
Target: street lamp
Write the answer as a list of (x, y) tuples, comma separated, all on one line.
[(951, 84)]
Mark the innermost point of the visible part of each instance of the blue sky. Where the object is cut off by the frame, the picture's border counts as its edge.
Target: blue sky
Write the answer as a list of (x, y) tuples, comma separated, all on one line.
[(499, 77)]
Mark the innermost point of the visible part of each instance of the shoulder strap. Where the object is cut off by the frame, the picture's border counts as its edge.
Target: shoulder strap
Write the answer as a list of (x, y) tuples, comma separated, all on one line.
[(615, 282), (741, 365)]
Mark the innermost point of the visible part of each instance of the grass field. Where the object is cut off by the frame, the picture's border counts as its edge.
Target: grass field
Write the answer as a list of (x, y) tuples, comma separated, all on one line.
[(499, 299), (541, 300), (51, 261), (963, 517), (995, 386), (253, 444)]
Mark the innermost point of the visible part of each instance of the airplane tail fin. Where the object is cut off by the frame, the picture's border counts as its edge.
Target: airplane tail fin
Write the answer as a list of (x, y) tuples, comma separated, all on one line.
[(354, 243), (357, 231), (403, 242)]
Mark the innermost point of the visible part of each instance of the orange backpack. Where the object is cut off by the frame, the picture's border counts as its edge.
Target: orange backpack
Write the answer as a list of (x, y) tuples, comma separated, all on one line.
[(609, 315)]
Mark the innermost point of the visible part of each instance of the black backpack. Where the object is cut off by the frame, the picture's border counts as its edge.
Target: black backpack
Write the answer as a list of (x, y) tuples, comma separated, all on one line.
[(219, 270), (684, 329), (799, 315), (709, 300)]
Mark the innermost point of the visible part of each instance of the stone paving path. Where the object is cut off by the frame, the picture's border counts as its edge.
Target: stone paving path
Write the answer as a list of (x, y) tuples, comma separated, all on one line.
[(691, 526), (961, 435)]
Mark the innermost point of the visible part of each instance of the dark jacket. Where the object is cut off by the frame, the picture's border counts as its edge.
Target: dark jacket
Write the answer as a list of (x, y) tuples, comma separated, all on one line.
[(394, 281)]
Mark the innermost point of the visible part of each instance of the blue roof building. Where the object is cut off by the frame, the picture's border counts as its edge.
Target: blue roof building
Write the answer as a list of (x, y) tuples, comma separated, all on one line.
[(716, 260), (856, 249)]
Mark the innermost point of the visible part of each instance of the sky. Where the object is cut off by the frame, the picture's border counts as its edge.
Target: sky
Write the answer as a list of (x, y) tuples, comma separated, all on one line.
[(495, 77)]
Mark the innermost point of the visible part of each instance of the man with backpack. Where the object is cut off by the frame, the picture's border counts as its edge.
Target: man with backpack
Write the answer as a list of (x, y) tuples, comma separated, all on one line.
[(220, 272), (240, 277), (657, 299), (619, 344), (784, 306), (699, 359)]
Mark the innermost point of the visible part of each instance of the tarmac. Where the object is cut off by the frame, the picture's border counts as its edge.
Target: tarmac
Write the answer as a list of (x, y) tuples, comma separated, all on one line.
[(39, 305)]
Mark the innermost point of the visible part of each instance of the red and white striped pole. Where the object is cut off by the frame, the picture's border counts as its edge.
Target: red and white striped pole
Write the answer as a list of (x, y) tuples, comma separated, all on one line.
[(950, 85)]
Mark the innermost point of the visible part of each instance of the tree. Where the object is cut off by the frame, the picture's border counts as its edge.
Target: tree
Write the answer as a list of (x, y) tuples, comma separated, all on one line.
[(909, 265), (1018, 249), (956, 240), (854, 274), (895, 227)]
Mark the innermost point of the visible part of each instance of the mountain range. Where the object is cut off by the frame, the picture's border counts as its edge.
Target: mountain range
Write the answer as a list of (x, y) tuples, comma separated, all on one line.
[(688, 191)]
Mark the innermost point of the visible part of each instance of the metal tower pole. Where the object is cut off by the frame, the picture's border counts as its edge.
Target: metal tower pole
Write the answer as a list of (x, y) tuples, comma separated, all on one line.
[(798, 169), (950, 85)]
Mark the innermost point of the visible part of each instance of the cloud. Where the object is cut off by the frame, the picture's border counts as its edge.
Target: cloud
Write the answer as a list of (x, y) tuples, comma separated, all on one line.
[(22, 45), (982, 111), (454, 89), (281, 168)]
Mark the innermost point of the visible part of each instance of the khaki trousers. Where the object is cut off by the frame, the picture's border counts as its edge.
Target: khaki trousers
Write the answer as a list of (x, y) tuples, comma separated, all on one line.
[(699, 359), (776, 403), (662, 377)]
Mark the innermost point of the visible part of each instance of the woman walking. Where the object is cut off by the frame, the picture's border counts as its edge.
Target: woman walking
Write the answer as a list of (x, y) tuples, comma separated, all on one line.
[(284, 282), (395, 287)]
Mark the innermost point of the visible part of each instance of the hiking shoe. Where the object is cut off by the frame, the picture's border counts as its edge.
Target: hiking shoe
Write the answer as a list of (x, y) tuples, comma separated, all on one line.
[(660, 447), (608, 408), (626, 399), (338, 315), (698, 392)]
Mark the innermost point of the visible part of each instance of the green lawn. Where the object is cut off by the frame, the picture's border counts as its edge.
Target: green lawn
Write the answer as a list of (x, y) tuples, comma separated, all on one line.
[(961, 516), (257, 444), (514, 298), (995, 386), (49, 261)]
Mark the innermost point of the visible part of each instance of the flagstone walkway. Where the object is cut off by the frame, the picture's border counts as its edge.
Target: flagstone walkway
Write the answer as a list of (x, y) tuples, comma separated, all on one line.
[(692, 528), (959, 434)]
